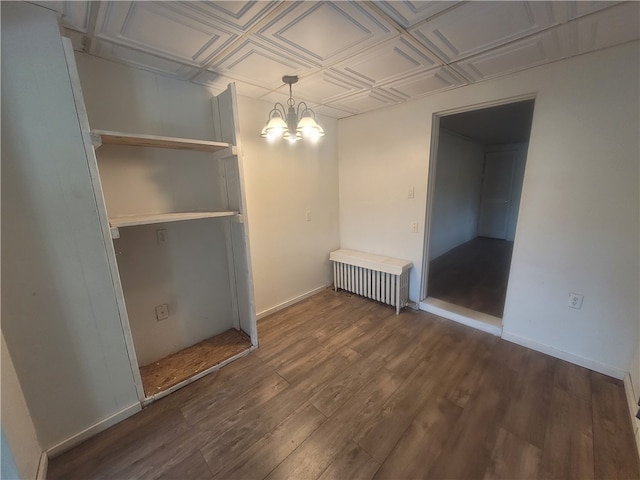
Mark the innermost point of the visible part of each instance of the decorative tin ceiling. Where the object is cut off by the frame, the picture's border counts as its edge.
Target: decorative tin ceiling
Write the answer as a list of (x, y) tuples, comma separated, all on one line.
[(352, 57)]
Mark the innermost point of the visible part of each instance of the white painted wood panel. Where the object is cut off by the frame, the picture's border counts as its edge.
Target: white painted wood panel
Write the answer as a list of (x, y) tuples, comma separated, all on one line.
[(17, 424), (60, 314)]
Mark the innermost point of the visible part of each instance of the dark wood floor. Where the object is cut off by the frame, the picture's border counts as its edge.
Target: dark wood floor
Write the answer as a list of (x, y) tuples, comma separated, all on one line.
[(473, 275), (343, 388)]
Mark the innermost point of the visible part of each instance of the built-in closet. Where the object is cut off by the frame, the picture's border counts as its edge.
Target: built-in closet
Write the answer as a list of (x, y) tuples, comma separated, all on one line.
[(174, 225)]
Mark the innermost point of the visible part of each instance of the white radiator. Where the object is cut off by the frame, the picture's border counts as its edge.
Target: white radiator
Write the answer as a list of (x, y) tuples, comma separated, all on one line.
[(379, 278)]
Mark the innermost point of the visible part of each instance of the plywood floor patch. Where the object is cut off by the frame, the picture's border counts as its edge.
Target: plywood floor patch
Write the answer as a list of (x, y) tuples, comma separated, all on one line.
[(169, 371)]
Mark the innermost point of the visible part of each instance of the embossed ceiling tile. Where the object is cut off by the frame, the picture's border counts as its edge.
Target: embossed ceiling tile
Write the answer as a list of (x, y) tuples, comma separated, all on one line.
[(366, 101), (141, 60), (395, 58), (526, 53), (324, 86), (241, 15), (325, 32), (167, 29), (610, 27), (408, 13), (478, 26), (425, 83), (72, 14), (565, 11), (254, 63), (328, 111), (219, 83)]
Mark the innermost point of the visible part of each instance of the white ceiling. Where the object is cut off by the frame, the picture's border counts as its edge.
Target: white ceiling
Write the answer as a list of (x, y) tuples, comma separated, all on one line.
[(352, 57)]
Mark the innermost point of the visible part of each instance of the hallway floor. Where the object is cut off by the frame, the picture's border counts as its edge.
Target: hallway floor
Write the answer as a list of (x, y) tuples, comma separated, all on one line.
[(473, 275)]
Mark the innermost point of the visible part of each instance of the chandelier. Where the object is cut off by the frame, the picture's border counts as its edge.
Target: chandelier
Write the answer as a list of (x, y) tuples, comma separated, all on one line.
[(292, 123)]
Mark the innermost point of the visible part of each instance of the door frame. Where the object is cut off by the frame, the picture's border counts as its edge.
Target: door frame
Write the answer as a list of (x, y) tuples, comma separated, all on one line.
[(432, 173)]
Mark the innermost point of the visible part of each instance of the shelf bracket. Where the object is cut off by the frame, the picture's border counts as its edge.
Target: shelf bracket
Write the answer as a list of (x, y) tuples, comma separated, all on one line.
[(115, 233), (239, 218), (96, 140), (225, 153)]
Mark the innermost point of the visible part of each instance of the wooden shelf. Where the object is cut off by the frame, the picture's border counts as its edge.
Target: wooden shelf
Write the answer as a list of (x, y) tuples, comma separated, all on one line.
[(104, 137), (132, 220)]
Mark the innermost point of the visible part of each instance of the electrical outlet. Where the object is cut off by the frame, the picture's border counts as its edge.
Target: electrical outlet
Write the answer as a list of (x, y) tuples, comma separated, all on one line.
[(307, 216), (162, 236), (411, 193), (162, 312), (575, 301), (414, 227)]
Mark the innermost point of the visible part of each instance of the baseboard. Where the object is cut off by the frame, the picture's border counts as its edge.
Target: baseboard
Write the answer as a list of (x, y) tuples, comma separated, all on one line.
[(43, 465), (93, 429), (465, 316), (288, 303), (569, 357), (632, 401)]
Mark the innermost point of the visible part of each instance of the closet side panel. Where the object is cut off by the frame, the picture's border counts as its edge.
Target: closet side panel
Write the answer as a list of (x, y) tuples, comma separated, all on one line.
[(60, 315), (227, 128)]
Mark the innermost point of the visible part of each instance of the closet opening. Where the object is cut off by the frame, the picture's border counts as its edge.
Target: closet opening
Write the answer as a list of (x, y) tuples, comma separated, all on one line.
[(475, 184)]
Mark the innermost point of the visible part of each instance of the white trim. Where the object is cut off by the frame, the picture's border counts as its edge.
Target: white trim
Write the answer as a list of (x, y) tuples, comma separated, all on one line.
[(93, 430), (43, 466), (632, 401), (288, 303), (567, 356), (465, 316), (101, 207)]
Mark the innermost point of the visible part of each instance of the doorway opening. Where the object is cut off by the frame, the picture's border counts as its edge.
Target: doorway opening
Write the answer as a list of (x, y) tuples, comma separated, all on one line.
[(475, 185)]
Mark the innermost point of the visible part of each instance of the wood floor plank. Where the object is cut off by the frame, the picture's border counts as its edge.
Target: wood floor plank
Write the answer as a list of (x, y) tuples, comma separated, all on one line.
[(324, 445), (466, 387), (512, 458), (336, 391), (467, 451), (238, 433), (311, 373), (431, 331), (352, 463), (193, 466), (384, 430), (568, 446), (265, 455), (415, 453), (119, 446), (530, 400), (614, 455), (217, 409)]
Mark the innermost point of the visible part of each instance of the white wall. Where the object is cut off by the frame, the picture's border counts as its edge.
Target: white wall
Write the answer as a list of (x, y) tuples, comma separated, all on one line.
[(59, 313), (290, 256), (579, 214), (456, 196), (16, 421)]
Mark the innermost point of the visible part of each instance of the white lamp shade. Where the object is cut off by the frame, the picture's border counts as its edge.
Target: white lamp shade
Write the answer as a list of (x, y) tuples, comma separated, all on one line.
[(275, 127), (309, 128)]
